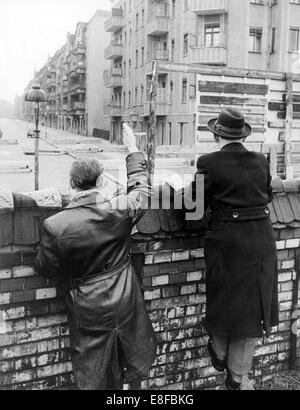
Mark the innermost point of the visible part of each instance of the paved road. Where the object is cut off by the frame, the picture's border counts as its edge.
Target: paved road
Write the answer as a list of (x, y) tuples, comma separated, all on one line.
[(54, 169)]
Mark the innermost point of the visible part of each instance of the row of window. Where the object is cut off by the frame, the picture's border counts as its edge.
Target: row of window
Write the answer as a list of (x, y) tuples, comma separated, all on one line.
[(139, 94)]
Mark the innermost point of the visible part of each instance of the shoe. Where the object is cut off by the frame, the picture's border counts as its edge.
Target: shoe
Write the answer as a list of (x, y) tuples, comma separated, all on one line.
[(230, 383), (218, 364)]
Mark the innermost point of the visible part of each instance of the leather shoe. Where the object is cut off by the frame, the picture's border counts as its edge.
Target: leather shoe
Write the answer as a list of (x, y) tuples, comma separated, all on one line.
[(218, 364), (230, 383)]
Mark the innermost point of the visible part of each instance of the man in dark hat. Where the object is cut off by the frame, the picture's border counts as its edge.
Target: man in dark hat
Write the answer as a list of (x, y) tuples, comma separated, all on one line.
[(240, 249)]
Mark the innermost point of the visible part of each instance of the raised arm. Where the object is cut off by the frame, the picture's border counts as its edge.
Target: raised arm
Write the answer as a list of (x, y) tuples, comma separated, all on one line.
[(138, 184)]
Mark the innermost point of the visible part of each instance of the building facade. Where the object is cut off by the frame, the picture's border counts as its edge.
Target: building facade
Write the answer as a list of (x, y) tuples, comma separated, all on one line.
[(96, 93), (73, 80), (251, 34)]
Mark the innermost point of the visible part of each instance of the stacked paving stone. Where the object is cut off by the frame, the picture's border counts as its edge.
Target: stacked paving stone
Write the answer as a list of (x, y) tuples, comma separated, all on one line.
[(169, 259)]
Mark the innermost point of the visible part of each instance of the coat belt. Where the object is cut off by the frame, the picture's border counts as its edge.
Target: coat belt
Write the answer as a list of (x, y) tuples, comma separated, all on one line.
[(98, 277), (243, 214)]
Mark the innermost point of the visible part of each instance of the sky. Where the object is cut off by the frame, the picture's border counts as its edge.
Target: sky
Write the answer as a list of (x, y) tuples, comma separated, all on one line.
[(30, 31)]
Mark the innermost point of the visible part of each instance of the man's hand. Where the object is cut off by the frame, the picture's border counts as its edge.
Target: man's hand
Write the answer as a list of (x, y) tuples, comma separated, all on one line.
[(129, 139)]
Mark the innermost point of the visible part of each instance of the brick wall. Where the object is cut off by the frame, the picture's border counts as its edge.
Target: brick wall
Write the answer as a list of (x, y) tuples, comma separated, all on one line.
[(34, 343)]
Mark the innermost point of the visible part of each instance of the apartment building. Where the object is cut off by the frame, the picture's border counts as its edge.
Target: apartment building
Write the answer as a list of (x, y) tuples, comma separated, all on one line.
[(254, 34), (63, 78), (96, 40), (74, 83)]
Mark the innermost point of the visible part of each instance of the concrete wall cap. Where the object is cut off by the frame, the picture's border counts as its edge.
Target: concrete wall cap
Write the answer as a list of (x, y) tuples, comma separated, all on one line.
[(6, 201), (47, 198)]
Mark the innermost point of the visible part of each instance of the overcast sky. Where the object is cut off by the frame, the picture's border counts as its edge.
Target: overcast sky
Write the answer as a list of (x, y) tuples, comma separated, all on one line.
[(30, 30)]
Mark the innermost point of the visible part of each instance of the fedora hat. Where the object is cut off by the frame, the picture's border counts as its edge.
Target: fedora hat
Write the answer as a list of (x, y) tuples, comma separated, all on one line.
[(230, 125)]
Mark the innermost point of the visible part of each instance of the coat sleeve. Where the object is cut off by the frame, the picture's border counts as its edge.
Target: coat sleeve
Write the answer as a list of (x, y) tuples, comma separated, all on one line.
[(48, 262), (135, 203), (202, 170), (269, 184)]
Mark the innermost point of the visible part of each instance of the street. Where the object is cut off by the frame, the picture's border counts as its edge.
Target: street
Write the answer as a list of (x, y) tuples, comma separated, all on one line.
[(54, 167)]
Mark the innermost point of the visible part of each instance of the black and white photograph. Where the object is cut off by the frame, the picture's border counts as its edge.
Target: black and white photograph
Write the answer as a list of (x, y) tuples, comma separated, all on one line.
[(150, 198)]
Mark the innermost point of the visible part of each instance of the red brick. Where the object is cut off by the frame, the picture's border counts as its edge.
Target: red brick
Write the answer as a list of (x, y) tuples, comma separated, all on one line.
[(286, 234), (151, 270), (156, 246), (147, 282), (28, 258), (185, 266), (170, 291), (8, 285), (35, 282), (199, 264), (178, 278), (23, 296), (37, 309), (171, 244), (8, 260), (168, 267)]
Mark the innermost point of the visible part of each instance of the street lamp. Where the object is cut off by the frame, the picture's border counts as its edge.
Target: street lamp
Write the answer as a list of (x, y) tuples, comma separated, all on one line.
[(37, 96)]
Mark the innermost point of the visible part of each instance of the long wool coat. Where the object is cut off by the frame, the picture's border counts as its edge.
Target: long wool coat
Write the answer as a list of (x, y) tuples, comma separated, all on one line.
[(87, 247), (242, 298)]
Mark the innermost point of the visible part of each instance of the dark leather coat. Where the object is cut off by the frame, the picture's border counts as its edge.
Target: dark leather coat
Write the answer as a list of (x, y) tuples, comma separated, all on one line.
[(87, 246), (242, 296)]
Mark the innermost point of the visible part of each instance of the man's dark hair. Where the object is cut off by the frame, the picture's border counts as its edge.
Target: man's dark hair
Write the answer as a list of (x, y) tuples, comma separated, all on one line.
[(84, 174)]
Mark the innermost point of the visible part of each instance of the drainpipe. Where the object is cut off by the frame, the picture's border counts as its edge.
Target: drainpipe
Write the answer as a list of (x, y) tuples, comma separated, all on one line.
[(269, 39), (295, 315)]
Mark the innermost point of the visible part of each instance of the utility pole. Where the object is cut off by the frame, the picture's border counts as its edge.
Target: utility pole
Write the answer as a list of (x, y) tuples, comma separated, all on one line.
[(288, 148), (151, 143)]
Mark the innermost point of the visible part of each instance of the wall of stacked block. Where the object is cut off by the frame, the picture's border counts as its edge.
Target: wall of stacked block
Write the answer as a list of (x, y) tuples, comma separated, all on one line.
[(169, 258)]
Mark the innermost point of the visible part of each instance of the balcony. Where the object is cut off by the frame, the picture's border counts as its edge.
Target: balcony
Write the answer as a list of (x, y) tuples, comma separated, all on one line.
[(66, 107), (78, 106), (51, 81), (115, 22), (116, 110), (113, 51), (207, 7), (79, 48), (76, 88), (160, 54), (208, 55), (114, 78), (52, 96), (159, 20)]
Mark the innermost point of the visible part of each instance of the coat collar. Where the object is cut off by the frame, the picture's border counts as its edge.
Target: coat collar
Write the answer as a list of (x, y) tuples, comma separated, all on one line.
[(89, 197), (234, 146)]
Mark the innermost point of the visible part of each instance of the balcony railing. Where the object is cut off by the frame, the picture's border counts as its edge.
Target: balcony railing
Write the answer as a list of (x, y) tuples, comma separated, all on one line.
[(116, 110), (79, 48), (159, 20), (51, 81), (77, 87), (206, 7), (78, 106), (66, 107), (114, 78), (115, 22), (52, 95), (160, 54), (115, 50), (208, 55)]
